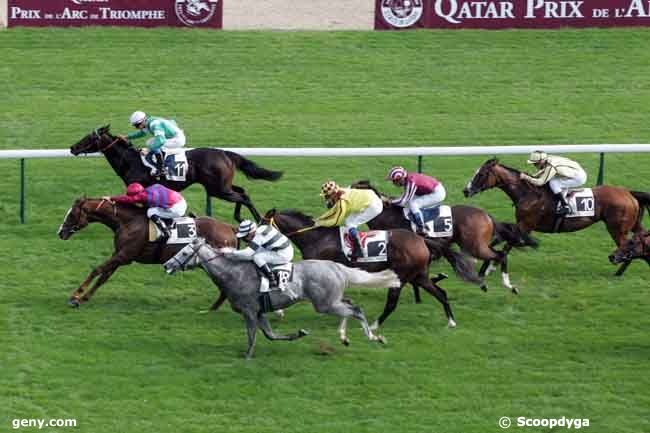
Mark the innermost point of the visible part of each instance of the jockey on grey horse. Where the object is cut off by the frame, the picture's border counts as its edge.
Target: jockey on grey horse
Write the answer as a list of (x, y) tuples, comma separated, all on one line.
[(320, 281)]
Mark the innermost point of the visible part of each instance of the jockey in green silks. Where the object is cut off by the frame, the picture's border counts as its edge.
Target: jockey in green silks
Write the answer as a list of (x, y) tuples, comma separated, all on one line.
[(166, 135)]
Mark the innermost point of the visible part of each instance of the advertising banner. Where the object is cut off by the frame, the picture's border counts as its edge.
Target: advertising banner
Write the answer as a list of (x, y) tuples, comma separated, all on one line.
[(135, 13), (502, 14)]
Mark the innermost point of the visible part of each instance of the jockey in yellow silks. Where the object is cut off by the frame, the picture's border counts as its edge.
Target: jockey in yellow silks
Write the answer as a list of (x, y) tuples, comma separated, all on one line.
[(350, 208)]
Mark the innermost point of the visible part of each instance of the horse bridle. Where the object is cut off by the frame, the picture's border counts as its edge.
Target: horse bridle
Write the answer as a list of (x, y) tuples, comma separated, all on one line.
[(195, 251), (97, 136), (75, 228)]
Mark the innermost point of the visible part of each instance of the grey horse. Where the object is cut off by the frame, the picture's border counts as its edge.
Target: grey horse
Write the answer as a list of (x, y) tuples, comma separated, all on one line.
[(322, 282)]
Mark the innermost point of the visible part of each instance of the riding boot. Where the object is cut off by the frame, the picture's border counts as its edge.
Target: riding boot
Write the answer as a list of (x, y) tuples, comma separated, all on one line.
[(419, 223), (166, 233), (160, 164), (564, 208), (268, 273), (357, 251), (152, 158)]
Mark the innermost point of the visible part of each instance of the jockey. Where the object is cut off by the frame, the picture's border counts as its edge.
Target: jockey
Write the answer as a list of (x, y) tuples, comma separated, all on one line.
[(166, 135), (162, 202), (420, 191), (266, 246), (560, 174), (350, 207)]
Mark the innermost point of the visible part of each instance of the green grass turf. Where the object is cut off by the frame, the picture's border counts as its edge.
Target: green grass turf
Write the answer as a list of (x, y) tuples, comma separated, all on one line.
[(140, 358)]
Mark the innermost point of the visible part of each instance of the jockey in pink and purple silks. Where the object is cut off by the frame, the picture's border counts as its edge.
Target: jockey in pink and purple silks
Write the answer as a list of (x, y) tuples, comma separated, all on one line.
[(420, 191), (161, 201)]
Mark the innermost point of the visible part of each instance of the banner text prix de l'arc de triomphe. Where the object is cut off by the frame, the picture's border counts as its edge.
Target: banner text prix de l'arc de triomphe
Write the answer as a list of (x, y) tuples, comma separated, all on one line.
[(502, 14)]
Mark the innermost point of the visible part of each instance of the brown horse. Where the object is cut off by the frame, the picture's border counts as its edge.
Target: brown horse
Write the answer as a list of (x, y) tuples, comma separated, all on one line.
[(212, 168), (409, 256), (620, 209), (638, 247), (474, 231), (131, 227)]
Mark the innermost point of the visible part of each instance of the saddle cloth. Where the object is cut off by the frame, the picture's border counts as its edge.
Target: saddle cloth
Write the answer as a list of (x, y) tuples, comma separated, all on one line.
[(438, 221), (183, 231), (582, 203), (374, 244), (175, 163), (283, 274)]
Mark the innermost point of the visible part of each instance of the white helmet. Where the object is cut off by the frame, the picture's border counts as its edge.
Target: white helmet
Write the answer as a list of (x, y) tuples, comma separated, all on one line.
[(537, 156), (246, 227), (137, 117)]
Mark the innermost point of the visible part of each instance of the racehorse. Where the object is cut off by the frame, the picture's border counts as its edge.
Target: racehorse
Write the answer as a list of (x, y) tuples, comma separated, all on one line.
[(474, 231), (320, 281), (408, 255), (212, 168), (620, 209), (131, 228), (638, 247)]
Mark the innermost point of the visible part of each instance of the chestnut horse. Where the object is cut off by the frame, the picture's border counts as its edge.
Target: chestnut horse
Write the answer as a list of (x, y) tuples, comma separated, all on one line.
[(131, 228), (212, 168), (620, 209), (636, 248), (474, 231), (409, 256)]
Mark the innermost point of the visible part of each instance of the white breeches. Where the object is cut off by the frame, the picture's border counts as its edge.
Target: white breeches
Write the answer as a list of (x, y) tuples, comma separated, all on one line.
[(561, 184), (356, 219), (279, 257), (177, 210), (425, 201), (171, 143)]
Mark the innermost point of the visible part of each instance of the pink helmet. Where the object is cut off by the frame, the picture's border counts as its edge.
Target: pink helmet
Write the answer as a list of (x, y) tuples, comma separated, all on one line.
[(134, 188), (396, 173)]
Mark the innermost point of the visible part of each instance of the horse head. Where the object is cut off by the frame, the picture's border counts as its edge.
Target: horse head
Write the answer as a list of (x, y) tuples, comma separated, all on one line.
[(96, 141), (365, 184), (637, 246), (484, 178), (186, 258), (75, 219)]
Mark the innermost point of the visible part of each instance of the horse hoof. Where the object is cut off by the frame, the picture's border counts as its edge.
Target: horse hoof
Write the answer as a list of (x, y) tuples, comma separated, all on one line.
[(451, 323), (345, 341), (303, 332), (484, 287), (374, 326), (280, 313), (381, 339), (204, 311), (515, 290), (74, 303)]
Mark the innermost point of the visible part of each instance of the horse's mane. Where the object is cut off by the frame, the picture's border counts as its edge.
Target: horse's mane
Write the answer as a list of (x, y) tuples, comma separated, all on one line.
[(294, 213), (495, 161)]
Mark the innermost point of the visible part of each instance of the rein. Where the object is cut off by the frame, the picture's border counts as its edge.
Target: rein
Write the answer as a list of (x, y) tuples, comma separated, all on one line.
[(302, 230)]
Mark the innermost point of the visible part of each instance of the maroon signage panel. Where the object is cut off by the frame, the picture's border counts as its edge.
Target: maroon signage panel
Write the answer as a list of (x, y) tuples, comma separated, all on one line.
[(137, 13), (502, 14)]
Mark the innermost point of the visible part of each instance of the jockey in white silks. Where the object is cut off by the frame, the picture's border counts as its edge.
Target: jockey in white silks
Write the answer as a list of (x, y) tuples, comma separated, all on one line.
[(266, 246), (560, 174), (420, 191)]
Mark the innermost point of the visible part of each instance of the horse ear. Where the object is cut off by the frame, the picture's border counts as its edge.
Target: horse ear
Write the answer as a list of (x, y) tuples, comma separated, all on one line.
[(270, 213)]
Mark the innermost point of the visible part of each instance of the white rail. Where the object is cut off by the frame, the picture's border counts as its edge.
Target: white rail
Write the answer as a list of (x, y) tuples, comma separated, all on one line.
[(379, 151)]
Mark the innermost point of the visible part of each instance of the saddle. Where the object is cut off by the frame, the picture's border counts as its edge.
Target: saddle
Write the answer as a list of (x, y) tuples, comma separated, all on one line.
[(374, 245), (438, 221), (175, 163), (283, 274), (183, 231)]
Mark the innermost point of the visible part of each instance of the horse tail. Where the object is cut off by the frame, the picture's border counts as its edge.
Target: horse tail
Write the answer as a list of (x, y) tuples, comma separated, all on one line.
[(358, 277), (513, 235), (461, 263), (252, 170), (644, 202)]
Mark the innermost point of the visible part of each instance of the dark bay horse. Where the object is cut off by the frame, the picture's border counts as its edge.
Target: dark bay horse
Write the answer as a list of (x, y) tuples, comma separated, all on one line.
[(474, 231), (620, 209), (131, 228), (409, 256), (212, 168), (638, 247)]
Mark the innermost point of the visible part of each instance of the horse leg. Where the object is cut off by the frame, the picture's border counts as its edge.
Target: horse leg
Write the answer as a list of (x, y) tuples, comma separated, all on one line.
[(487, 264), (238, 196), (265, 326), (505, 277), (391, 304), (109, 265), (251, 329), (343, 332), (622, 268), (215, 306), (438, 292), (101, 280), (345, 309), (416, 293)]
